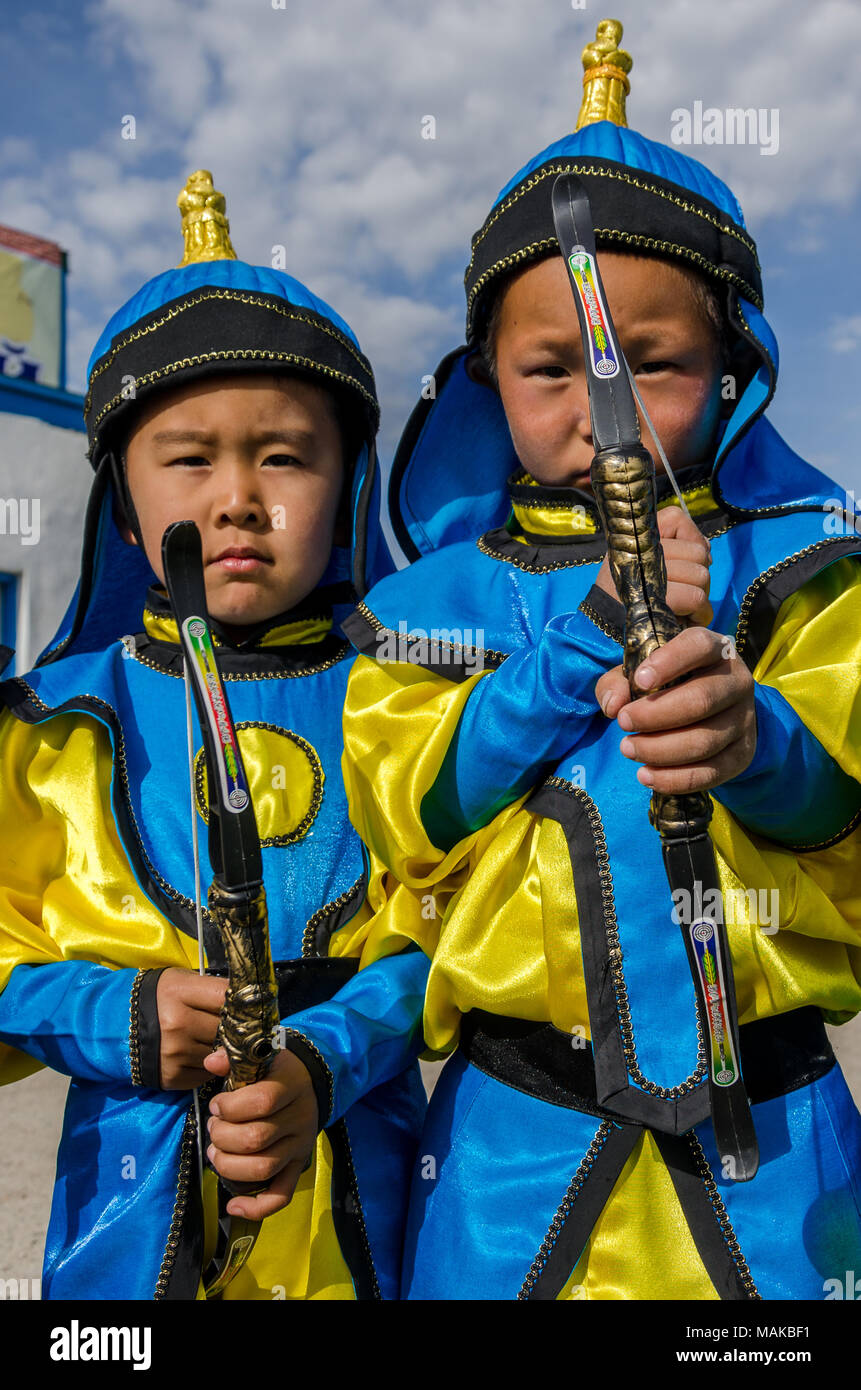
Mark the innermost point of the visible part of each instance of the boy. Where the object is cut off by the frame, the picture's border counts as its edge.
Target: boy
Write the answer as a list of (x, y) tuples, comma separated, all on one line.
[(224, 393), (568, 1151)]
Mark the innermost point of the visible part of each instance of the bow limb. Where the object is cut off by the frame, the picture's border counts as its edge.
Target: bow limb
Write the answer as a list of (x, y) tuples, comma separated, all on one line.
[(623, 483), (236, 936)]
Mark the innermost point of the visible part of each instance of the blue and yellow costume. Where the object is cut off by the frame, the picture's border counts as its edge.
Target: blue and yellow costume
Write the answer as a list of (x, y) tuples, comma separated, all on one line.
[(98, 890), (568, 1151)]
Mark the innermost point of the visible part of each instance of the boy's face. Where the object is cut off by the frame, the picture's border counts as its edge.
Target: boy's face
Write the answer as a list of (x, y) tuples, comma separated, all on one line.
[(665, 335), (256, 462)]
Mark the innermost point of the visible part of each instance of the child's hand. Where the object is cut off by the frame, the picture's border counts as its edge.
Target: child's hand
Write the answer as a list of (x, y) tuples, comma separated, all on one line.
[(697, 735), (688, 555), (263, 1132), (188, 1008)]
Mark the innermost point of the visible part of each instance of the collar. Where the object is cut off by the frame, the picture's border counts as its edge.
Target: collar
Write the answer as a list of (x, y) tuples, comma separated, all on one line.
[(569, 513), (310, 621)]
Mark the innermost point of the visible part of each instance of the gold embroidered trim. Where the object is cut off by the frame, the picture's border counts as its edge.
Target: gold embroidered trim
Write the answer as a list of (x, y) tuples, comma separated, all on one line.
[(575, 1187), (316, 772), (373, 621), (344, 650), (134, 1030), (357, 1202), (722, 1216), (240, 297), (162, 627), (486, 549), (741, 631), (628, 238), (253, 354), (188, 1144), (295, 1033), (852, 824), (615, 633), (550, 171), (614, 957), (310, 932), (771, 362)]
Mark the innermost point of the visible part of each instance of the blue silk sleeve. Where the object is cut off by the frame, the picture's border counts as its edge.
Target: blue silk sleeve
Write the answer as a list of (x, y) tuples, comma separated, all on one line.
[(516, 725), (71, 1015), (793, 791), (371, 1029)]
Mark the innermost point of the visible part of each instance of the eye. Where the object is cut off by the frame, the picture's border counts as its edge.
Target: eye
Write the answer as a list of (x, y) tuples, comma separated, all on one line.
[(552, 370), (189, 461), (649, 368), (283, 461)]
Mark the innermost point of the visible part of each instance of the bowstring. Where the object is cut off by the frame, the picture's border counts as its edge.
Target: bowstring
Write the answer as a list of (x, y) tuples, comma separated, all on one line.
[(198, 906), (664, 460)]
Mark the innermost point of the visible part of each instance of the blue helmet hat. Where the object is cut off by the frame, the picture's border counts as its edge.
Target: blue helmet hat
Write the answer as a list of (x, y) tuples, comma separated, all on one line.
[(213, 314), (449, 476)]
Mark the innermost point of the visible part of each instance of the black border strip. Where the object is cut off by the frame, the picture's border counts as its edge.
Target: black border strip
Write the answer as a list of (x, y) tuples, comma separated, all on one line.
[(615, 1087), (586, 1204), (786, 582), (366, 638), (545, 555), (712, 1246), (347, 1216)]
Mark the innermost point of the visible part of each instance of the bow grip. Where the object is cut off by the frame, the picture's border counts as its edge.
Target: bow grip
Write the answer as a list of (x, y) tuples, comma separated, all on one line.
[(249, 1015), (623, 483)]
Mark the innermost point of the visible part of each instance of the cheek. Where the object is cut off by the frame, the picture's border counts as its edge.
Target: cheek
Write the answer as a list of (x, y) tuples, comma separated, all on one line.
[(533, 423), (305, 515), (686, 425)]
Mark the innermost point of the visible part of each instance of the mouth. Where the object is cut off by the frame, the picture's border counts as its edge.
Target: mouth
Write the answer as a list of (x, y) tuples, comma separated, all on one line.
[(240, 559)]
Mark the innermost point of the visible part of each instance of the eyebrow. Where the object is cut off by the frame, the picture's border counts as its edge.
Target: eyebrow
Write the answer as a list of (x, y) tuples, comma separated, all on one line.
[(289, 437)]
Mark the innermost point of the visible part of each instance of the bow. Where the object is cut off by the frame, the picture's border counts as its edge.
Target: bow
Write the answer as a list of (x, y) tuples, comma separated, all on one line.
[(623, 483), (237, 936)]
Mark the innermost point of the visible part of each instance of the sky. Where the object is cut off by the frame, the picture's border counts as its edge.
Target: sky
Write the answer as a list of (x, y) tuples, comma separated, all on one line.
[(310, 115)]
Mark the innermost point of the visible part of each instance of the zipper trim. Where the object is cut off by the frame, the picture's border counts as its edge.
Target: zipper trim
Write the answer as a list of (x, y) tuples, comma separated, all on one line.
[(722, 1217), (353, 1184), (134, 1029), (484, 545), (310, 932), (188, 1146), (315, 670), (742, 630), (614, 959), (575, 1187)]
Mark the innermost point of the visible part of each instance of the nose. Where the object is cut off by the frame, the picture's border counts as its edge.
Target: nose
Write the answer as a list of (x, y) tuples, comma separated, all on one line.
[(237, 500), (582, 419)]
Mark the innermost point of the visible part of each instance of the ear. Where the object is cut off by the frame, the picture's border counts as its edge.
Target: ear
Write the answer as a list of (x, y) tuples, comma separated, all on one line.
[(122, 525), (478, 371)]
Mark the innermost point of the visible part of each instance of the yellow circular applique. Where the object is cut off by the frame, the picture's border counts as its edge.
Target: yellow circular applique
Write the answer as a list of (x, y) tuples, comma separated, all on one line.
[(285, 777)]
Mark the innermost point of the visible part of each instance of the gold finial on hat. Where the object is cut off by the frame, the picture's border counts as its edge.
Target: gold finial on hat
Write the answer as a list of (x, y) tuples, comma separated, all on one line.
[(205, 228), (605, 77)]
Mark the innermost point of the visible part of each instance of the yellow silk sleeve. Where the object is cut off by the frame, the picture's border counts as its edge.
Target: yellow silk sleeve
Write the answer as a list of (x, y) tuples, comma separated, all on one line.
[(68, 891), (399, 721), (813, 659)]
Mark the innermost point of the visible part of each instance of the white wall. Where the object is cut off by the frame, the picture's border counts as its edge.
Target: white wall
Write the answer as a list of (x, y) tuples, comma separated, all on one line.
[(41, 462)]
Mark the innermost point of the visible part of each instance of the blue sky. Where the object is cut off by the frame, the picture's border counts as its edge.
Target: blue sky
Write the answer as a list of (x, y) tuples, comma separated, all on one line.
[(310, 118)]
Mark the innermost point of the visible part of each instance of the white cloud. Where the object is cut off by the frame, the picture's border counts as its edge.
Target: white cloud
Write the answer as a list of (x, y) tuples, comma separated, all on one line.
[(845, 333), (310, 120)]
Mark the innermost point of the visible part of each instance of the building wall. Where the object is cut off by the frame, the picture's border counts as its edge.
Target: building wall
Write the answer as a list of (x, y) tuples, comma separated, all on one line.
[(41, 462)]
